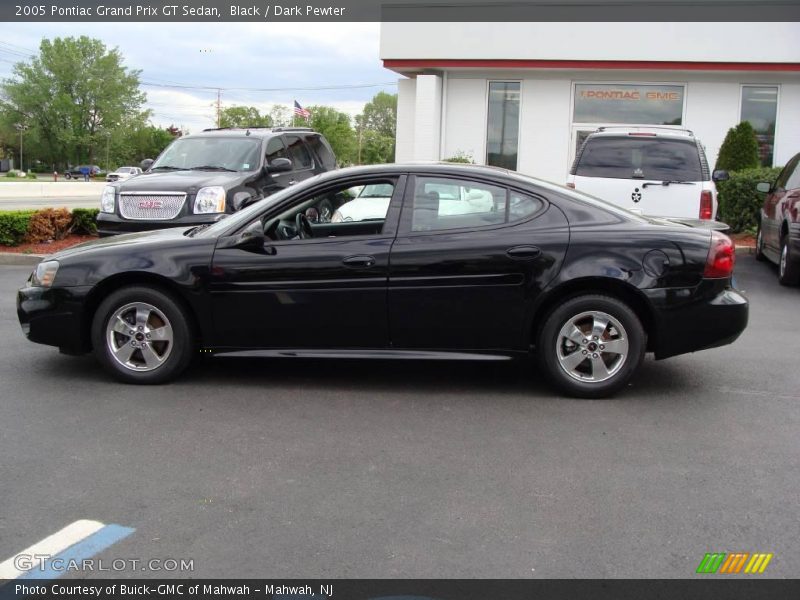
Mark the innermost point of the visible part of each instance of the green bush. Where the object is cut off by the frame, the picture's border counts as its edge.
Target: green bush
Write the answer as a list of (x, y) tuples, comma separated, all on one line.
[(84, 220), (14, 226), (461, 157), (12, 174), (30, 175), (739, 149), (739, 202)]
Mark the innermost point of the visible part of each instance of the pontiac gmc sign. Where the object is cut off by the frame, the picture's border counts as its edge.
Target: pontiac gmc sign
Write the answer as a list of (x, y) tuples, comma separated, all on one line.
[(640, 104)]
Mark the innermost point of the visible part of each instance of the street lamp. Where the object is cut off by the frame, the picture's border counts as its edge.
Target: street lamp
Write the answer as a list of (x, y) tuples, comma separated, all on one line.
[(21, 127)]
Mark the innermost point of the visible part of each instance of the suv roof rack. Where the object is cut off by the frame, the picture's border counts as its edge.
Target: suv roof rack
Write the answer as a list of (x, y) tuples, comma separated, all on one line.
[(637, 127), (292, 129)]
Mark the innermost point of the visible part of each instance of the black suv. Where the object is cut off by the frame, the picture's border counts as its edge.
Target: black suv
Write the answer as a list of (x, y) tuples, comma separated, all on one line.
[(200, 178)]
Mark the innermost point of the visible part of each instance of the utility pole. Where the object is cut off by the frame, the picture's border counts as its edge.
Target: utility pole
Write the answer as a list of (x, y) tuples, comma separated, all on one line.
[(22, 127), (108, 142), (219, 106)]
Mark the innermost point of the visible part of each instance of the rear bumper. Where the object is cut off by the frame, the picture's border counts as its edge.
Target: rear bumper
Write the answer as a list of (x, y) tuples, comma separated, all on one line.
[(713, 314), (113, 224), (54, 317)]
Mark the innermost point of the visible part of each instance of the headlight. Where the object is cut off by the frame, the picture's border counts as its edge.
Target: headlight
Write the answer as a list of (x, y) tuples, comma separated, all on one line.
[(45, 273), (107, 199), (210, 200)]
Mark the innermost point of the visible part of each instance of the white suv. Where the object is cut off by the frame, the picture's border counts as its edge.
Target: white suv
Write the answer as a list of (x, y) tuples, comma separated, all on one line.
[(659, 172)]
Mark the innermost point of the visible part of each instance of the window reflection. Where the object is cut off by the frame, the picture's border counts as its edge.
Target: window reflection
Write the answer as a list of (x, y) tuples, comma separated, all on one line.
[(502, 136)]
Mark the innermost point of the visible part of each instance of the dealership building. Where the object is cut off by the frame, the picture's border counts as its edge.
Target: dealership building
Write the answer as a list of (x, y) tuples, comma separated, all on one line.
[(525, 95)]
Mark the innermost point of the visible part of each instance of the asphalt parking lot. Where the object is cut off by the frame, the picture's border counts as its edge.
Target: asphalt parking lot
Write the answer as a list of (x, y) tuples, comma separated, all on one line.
[(279, 468)]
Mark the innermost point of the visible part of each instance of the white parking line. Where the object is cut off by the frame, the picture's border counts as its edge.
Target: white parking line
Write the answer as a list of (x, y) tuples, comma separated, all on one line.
[(49, 546)]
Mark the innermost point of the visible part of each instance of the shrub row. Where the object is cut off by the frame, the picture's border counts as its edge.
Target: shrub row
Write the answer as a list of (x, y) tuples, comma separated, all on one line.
[(739, 202), (33, 226)]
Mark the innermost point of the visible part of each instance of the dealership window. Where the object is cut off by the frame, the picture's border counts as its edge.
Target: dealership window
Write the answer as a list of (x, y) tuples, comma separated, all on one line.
[(635, 104), (760, 108), (502, 135)]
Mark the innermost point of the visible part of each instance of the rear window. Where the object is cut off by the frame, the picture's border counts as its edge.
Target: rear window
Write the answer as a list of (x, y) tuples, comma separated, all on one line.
[(632, 157)]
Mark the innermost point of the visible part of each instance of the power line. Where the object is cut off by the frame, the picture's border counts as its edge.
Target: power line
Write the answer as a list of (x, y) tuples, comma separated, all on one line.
[(286, 89)]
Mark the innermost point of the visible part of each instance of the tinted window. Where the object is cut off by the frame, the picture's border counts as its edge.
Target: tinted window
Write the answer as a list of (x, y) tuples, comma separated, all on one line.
[(453, 204), (792, 180), (276, 149), (502, 136), (323, 151), (298, 152), (640, 158), (760, 107), (521, 206)]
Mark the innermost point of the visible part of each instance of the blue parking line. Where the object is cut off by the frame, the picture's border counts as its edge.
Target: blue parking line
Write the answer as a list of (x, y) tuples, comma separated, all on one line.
[(86, 548)]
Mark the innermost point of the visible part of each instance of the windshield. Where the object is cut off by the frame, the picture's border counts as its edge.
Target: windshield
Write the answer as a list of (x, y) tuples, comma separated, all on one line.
[(223, 153), (640, 158)]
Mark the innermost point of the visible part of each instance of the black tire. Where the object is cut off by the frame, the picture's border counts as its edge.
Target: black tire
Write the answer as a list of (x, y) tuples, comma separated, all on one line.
[(553, 349), (173, 356), (788, 264), (760, 246), (67, 176)]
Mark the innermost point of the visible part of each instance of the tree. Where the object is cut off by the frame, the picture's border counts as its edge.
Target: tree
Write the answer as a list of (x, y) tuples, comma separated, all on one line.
[(739, 150), (243, 116), (380, 114), (72, 96), (281, 116), (375, 130), (335, 126)]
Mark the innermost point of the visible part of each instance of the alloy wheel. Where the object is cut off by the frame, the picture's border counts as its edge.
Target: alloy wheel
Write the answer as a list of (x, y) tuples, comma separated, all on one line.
[(139, 336), (592, 347)]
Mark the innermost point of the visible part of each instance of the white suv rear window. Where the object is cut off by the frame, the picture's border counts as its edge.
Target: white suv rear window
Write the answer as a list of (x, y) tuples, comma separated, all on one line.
[(633, 157)]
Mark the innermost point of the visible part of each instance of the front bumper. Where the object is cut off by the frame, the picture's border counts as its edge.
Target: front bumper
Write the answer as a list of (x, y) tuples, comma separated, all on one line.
[(113, 224), (711, 315), (55, 317)]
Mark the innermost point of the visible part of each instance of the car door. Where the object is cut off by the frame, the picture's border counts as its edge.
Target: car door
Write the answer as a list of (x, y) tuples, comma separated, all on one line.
[(327, 291), (276, 148), (469, 259), (771, 215)]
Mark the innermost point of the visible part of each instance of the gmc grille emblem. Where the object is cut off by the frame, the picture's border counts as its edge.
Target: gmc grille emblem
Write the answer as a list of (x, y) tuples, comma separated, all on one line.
[(151, 204)]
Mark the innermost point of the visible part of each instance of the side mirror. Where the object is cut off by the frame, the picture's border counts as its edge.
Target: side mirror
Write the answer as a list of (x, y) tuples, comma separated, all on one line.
[(146, 164), (242, 199), (763, 186), (249, 240), (720, 175), (279, 165)]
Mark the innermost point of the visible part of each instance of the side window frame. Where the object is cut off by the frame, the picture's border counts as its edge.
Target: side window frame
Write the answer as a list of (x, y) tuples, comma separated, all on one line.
[(279, 139), (390, 223), (407, 214), (296, 168)]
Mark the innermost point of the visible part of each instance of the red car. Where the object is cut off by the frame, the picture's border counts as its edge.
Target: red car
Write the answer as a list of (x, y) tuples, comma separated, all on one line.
[(779, 223)]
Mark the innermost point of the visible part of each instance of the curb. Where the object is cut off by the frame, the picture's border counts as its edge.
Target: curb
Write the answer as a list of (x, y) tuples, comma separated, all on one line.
[(15, 258)]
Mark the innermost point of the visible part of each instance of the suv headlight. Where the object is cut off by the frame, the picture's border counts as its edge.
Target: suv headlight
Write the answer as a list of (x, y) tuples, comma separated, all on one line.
[(210, 200), (44, 274), (107, 199)]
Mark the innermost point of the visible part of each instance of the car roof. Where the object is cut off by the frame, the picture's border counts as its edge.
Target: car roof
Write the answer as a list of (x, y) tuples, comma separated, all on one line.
[(257, 132)]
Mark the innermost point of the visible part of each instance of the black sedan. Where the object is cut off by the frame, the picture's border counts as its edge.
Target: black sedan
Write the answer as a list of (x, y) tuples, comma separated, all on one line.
[(447, 262)]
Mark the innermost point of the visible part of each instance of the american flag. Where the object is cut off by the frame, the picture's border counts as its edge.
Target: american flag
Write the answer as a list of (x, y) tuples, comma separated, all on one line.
[(300, 111)]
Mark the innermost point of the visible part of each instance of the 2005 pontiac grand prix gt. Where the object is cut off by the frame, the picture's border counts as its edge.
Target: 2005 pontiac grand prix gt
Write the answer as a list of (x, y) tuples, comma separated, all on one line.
[(409, 261)]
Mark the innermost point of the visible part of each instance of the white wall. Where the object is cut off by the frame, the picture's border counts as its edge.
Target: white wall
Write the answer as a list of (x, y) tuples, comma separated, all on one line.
[(731, 42), (465, 118), (406, 100), (428, 115), (787, 134)]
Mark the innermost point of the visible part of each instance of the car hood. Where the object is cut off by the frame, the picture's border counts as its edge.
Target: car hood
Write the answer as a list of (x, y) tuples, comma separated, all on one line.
[(118, 242), (182, 181)]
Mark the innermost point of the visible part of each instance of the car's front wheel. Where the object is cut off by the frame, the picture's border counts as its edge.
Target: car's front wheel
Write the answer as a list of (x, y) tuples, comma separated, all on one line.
[(142, 335), (789, 265), (591, 345)]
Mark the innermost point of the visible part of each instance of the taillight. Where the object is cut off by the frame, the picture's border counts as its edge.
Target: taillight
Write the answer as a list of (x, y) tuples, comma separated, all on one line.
[(706, 205), (570, 185), (721, 256)]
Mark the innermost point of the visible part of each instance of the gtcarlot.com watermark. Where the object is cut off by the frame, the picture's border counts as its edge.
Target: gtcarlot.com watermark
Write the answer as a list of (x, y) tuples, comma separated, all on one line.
[(45, 562)]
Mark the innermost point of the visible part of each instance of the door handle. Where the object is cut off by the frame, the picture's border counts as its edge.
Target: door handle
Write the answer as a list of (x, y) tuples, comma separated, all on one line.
[(292, 182), (359, 260), (523, 252)]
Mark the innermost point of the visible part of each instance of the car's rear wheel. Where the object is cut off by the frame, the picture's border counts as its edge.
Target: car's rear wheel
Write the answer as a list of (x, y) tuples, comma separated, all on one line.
[(760, 245), (591, 345), (67, 176), (788, 265), (142, 335)]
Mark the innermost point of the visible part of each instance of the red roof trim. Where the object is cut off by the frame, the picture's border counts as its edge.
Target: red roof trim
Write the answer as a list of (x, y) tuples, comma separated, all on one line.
[(588, 64)]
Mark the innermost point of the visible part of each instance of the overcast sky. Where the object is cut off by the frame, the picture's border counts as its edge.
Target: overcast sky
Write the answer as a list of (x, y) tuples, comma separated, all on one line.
[(229, 55)]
